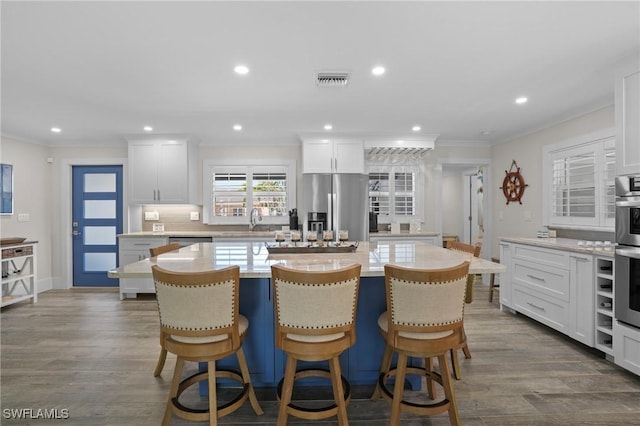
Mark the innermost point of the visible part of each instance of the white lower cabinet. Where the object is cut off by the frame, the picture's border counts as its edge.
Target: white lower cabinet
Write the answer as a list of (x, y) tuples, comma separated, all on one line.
[(554, 287), (626, 350), (132, 250)]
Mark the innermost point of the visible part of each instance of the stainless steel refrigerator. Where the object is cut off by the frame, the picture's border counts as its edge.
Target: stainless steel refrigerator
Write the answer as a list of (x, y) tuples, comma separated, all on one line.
[(345, 199)]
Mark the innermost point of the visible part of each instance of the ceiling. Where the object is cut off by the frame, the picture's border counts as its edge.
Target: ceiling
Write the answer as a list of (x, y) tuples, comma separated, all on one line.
[(101, 71)]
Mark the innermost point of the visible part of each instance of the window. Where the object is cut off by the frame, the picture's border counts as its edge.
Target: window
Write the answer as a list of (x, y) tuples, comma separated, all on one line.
[(232, 191), (392, 193), (580, 191)]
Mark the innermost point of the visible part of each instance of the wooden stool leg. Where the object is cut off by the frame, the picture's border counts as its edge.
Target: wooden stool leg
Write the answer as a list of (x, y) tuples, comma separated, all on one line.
[(177, 374), (213, 399), (287, 390), (244, 369), (431, 386), (465, 346), (384, 368), (398, 389), (492, 282), (161, 361), (455, 364), (338, 390), (454, 417)]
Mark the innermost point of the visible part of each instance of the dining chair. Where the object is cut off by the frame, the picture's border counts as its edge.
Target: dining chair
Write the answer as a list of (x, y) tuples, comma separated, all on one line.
[(154, 252), (315, 321), (423, 320), (200, 323), (468, 298)]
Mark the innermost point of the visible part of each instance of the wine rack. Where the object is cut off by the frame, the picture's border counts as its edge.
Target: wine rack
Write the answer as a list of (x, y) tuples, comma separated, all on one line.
[(604, 304)]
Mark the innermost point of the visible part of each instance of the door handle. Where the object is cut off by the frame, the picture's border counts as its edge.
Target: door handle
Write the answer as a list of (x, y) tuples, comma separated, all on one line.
[(75, 233)]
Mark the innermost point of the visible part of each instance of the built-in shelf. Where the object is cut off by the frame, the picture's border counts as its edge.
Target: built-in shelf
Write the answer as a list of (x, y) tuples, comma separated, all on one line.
[(604, 304)]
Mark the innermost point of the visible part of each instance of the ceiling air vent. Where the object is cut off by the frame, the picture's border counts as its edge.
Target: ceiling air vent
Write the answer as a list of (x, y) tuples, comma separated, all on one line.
[(332, 79)]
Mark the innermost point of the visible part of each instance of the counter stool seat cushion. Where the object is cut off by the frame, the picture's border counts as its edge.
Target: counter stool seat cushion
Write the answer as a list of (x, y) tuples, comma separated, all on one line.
[(243, 325), (383, 323), (315, 339)]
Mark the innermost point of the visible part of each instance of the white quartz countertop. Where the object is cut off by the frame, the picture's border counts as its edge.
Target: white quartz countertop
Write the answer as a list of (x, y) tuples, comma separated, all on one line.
[(255, 261), (579, 246)]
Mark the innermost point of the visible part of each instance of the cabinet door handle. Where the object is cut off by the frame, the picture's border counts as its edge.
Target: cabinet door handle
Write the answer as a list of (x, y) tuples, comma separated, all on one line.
[(336, 164), (540, 308), (533, 277), (581, 259)]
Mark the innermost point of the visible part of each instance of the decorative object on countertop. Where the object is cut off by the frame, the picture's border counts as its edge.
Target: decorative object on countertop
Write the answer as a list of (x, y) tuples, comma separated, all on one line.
[(318, 247), (513, 184)]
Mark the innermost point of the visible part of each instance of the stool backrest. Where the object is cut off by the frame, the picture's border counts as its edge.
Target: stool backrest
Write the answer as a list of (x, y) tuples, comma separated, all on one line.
[(156, 251), (456, 245), (315, 302), (424, 300), (198, 304)]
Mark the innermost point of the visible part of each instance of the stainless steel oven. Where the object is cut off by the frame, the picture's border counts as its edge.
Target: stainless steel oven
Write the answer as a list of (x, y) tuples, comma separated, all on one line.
[(627, 257)]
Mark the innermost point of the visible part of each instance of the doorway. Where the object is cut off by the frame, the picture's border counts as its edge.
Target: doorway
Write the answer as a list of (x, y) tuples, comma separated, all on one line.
[(463, 207), (96, 221)]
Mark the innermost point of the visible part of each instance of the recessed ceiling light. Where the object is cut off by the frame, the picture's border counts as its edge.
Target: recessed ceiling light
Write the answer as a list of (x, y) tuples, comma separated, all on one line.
[(378, 70), (241, 69), (522, 100), (486, 132), (237, 127), (148, 128), (56, 129), (328, 127), (416, 128)]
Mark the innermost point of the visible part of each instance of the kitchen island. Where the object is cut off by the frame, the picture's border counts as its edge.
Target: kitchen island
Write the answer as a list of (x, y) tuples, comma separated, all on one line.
[(361, 363)]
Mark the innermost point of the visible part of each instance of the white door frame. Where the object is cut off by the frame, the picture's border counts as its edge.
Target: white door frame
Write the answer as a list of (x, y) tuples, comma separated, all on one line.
[(471, 162), (66, 187)]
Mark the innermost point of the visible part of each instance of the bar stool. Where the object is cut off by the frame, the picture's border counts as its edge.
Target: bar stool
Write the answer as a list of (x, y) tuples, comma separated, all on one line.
[(200, 322), (423, 320), (468, 298), (315, 321), (154, 252), (492, 282)]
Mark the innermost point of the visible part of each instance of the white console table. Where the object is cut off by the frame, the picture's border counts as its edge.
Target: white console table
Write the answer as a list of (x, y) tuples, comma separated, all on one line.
[(19, 273)]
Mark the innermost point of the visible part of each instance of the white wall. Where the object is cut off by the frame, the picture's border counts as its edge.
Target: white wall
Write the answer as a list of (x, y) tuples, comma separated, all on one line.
[(509, 220), (452, 203), (32, 195)]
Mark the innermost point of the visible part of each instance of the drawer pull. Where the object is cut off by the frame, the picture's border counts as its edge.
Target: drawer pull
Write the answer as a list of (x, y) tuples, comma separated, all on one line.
[(533, 277), (142, 244), (540, 308)]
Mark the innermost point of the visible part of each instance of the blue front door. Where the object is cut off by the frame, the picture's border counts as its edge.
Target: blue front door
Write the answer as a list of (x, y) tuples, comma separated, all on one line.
[(97, 220)]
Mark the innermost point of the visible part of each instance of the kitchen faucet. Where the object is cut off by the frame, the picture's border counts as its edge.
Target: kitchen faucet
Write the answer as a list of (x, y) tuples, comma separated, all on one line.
[(255, 214)]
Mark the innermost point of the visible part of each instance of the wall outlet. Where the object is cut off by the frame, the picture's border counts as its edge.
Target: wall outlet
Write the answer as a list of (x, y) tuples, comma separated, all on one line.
[(151, 216), (24, 217), (195, 216), (158, 227)]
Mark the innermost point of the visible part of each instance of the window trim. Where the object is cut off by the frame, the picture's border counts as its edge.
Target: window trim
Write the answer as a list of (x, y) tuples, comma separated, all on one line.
[(246, 166), (602, 139), (418, 191)]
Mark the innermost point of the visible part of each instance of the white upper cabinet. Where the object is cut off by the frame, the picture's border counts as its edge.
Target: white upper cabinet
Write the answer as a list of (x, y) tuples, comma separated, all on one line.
[(628, 123), (333, 156), (159, 172)]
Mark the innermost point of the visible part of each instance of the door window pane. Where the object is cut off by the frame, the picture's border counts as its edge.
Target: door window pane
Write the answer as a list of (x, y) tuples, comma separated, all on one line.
[(100, 209), (97, 262), (100, 235), (100, 182)]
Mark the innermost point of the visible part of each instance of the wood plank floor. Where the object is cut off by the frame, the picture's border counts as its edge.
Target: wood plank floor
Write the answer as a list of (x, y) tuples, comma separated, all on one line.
[(90, 353)]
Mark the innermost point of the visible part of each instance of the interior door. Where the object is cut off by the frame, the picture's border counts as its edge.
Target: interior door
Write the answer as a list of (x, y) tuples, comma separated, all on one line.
[(96, 221)]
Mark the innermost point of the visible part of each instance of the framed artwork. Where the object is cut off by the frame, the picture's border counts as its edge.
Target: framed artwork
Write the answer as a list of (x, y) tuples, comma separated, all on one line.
[(6, 189)]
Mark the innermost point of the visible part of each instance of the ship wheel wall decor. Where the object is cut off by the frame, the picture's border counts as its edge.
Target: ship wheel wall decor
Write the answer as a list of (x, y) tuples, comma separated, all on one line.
[(513, 184)]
